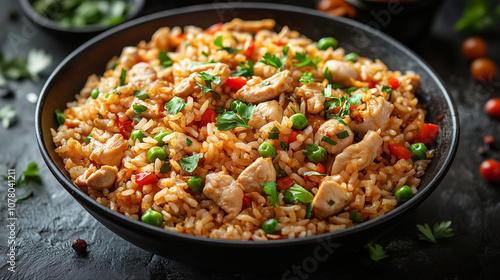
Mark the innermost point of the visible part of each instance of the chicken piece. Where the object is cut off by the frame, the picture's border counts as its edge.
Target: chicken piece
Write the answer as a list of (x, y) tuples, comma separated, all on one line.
[(98, 179), (177, 140), (331, 130), (313, 93), (187, 86), (221, 69), (342, 71), (109, 153), (224, 191), (265, 113), (73, 151), (263, 70), (152, 111), (362, 153), (160, 39), (377, 113), (331, 197), (262, 170), (128, 57), (252, 26), (255, 92), (142, 74)]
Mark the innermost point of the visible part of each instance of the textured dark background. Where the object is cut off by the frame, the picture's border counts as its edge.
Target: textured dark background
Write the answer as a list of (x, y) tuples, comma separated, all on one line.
[(50, 220)]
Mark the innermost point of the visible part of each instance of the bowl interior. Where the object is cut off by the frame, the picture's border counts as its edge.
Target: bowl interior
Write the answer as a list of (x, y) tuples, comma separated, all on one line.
[(90, 58)]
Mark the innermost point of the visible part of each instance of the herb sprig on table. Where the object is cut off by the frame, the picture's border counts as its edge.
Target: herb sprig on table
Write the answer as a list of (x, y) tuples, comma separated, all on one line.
[(30, 175)]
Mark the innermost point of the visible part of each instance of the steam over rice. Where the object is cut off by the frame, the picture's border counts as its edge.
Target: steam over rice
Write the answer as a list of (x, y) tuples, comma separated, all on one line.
[(107, 165)]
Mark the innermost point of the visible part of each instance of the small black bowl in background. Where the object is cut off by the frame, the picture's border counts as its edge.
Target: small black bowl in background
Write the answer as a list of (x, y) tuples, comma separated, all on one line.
[(407, 21), (135, 7)]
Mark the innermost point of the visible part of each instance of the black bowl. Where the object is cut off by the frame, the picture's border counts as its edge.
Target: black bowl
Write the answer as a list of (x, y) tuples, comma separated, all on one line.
[(70, 76), (135, 6)]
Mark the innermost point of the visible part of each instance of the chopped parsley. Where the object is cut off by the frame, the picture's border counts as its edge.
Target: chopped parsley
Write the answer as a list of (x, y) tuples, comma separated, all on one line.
[(313, 173), (327, 92), (59, 116), (388, 90), (31, 174), (284, 146), (165, 60), (376, 252), (193, 64), (189, 164), (204, 53), (298, 193), (307, 78), (141, 94), (188, 142), (328, 75), (441, 230), (230, 119), (8, 113), (273, 60), (305, 60), (139, 109), (123, 76), (355, 217), (344, 102), (245, 70), (220, 110), (343, 134), (209, 80), (331, 202), (270, 189), (274, 133), (88, 138), (175, 105), (350, 90), (218, 43), (328, 140)]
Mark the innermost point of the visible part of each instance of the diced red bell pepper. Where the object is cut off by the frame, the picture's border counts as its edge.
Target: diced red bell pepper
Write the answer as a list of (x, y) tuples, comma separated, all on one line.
[(280, 43), (393, 83), (292, 137), (125, 127), (208, 117), (145, 178), (400, 151), (236, 82), (249, 47), (371, 84), (321, 168), (214, 28), (247, 202), (428, 134), (180, 35), (285, 183)]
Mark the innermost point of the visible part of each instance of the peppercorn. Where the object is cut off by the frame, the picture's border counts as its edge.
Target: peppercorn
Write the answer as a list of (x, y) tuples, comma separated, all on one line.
[(79, 245)]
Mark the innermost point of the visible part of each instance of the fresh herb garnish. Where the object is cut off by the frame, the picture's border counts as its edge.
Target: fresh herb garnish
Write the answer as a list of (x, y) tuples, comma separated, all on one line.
[(337, 85), (274, 133), (273, 60), (356, 136), (19, 67), (220, 110), (351, 57), (270, 189), (59, 116), (376, 252), (441, 230), (123, 76), (313, 173), (193, 64), (218, 43), (328, 75), (28, 176), (327, 91), (478, 15), (307, 78), (298, 193), (209, 80), (328, 140), (350, 90), (137, 118), (305, 60), (175, 105), (165, 60), (355, 217), (230, 119), (188, 142), (189, 164), (245, 70), (204, 53), (343, 134), (309, 210), (7, 115), (344, 102), (331, 202), (284, 146), (139, 109), (141, 94), (111, 92), (388, 90), (265, 83), (88, 138)]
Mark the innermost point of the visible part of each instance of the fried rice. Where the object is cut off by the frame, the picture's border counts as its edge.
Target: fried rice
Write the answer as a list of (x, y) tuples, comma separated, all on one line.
[(176, 93)]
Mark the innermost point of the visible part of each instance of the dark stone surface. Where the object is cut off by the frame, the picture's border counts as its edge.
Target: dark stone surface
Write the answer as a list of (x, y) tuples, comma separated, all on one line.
[(50, 220)]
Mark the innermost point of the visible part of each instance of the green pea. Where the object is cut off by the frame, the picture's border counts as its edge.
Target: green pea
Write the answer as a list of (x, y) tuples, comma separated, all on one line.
[(266, 149), (269, 226), (196, 184), (403, 194), (165, 167), (299, 121), (156, 152), (137, 134), (418, 150), (95, 93), (152, 217), (159, 136), (280, 173), (316, 154), (326, 42), (235, 104)]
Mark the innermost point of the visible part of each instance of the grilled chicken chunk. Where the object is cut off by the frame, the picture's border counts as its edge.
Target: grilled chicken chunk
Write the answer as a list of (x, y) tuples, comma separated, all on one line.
[(343, 71), (332, 129), (313, 94), (376, 116), (331, 197), (224, 191), (265, 113), (110, 152), (255, 92), (362, 153), (262, 170)]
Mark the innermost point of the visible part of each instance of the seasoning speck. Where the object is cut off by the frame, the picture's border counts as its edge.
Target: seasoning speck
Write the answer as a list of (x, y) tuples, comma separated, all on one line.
[(79, 245)]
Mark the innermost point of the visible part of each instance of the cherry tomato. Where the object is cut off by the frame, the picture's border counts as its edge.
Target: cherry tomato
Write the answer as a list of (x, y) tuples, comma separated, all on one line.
[(249, 47), (145, 178), (400, 151), (490, 170), (428, 134), (236, 82), (247, 202), (214, 28), (474, 47), (492, 107), (285, 183), (393, 83), (483, 69), (292, 137), (208, 117)]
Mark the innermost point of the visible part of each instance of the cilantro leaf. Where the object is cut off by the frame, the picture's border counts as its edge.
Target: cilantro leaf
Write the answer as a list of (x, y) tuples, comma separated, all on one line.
[(376, 252), (307, 78), (188, 142), (298, 193), (31, 174), (270, 189), (441, 230), (304, 60), (355, 217), (123, 76), (189, 164), (230, 119), (165, 60), (141, 94), (7, 115), (209, 79), (139, 109), (388, 90), (245, 70), (426, 233), (313, 173), (273, 60), (175, 105), (207, 89), (218, 43)]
